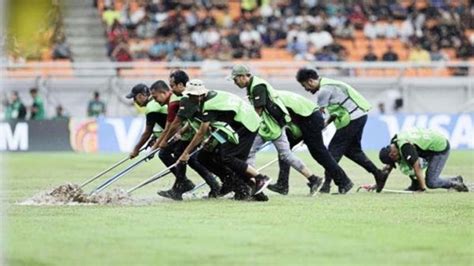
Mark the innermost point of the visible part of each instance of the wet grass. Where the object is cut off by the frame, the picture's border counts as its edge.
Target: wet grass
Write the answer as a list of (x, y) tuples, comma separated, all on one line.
[(359, 228)]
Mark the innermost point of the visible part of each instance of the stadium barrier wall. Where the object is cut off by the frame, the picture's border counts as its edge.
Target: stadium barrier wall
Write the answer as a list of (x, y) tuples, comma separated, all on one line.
[(119, 134)]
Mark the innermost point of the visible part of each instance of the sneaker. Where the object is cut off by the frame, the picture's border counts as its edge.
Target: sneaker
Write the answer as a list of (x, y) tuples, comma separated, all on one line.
[(261, 182), (460, 187), (313, 184), (344, 189), (458, 179), (259, 197), (380, 179), (326, 187), (214, 193), (415, 186), (171, 194), (226, 188), (185, 186), (278, 188)]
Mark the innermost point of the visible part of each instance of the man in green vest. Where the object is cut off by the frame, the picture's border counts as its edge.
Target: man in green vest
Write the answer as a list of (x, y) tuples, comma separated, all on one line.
[(240, 127), (37, 109), (348, 109), (155, 115), (169, 153), (15, 109), (408, 148), (268, 103)]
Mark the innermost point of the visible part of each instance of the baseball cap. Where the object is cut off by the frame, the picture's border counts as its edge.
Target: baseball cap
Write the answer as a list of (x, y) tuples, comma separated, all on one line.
[(238, 70), (384, 156), (137, 89), (195, 87)]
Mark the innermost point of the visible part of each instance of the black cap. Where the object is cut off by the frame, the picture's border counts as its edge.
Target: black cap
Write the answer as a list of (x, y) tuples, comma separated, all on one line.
[(137, 89), (384, 156)]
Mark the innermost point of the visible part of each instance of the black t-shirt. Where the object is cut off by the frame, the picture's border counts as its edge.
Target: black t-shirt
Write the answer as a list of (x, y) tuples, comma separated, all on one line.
[(187, 109), (409, 153), (153, 118), (261, 98)]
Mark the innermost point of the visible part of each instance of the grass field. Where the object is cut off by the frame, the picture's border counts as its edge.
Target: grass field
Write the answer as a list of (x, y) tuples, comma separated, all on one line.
[(358, 228)]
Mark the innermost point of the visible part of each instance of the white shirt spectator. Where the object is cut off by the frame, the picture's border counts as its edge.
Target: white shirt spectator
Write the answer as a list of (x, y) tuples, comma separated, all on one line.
[(381, 28), (407, 30), (138, 15), (370, 31), (391, 31), (321, 39), (198, 39), (211, 36), (247, 36)]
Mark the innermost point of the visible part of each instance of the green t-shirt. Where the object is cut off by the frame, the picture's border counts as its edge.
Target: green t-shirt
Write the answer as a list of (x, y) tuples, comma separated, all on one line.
[(95, 108), (39, 114)]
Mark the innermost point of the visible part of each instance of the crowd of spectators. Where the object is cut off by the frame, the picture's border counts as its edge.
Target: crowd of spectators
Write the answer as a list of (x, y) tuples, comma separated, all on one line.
[(308, 29)]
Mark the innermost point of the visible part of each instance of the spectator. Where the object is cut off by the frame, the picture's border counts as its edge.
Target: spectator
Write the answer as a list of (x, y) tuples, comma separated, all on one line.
[(390, 55), (61, 49), (370, 56), (15, 109), (248, 35), (346, 31), (60, 113), (37, 111), (357, 17), (297, 47), (391, 30), (436, 54), (370, 30), (109, 16), (407, 30), (146, 28), (95, 107), (121, 52), (419, 55), (114, 35), (138, 49), (320, 38)]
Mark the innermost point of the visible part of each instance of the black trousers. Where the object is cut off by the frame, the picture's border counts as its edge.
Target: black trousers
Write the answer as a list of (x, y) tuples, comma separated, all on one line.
[(229, 159), (170, 155), (347, 142), (312, 127)]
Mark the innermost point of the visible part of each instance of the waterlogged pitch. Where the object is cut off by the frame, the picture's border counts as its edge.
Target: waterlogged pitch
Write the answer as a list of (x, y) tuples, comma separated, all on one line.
[(358, 228)]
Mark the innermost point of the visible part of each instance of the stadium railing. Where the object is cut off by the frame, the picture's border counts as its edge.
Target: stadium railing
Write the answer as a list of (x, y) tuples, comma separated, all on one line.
[(280, 69)]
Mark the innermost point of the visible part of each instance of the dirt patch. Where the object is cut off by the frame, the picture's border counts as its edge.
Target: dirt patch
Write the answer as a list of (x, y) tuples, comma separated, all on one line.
[(72, 194)]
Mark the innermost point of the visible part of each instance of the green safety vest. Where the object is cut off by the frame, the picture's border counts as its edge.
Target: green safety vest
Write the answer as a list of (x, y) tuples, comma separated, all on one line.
[(424, 139), (225, 101), (154, 107), (300, 105), (221, 132), (269, 129), (343, 117)]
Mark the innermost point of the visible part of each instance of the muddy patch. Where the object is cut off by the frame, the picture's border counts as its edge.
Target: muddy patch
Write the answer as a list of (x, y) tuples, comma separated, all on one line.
[(72, 194)]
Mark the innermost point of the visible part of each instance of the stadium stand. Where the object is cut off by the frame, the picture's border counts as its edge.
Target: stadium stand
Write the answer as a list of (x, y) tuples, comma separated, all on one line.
[(282, 30)]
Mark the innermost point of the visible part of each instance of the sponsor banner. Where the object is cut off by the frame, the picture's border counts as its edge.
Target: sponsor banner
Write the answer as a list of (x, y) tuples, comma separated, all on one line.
[(121, 134), (45, 135), (83, 135)]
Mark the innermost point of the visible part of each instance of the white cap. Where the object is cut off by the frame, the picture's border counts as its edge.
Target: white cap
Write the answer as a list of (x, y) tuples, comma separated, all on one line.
[(195, 87)]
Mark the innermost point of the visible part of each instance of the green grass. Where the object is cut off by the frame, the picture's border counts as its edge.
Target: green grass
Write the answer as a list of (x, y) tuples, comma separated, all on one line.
[(359, 228)]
